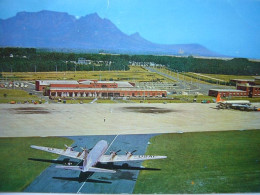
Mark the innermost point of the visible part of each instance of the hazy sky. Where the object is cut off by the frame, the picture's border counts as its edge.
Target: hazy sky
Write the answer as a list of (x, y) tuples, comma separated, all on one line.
[(229, 27)]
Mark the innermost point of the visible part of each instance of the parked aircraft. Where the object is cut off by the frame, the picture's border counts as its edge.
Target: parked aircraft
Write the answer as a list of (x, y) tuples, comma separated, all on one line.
[(226, 104), (97, 154)]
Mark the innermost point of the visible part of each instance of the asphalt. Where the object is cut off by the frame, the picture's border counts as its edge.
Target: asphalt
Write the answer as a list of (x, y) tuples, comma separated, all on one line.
[(53, 180), (22, 120)]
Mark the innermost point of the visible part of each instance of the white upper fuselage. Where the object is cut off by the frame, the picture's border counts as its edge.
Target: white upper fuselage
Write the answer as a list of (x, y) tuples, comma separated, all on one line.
[(95, 154), (235, 102)]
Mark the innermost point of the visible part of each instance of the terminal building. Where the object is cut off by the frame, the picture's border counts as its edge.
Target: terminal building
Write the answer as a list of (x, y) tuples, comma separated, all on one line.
[(227, 93), (244, 88), (93, 88)]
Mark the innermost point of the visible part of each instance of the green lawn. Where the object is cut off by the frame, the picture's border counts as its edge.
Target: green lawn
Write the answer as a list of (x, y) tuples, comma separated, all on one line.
[(135, 74), (16, 95), (207, 162), (227, 78), (175, 99), (16, 171)]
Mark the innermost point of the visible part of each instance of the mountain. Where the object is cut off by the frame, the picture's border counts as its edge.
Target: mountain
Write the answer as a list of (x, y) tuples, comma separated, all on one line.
[(49, 29)]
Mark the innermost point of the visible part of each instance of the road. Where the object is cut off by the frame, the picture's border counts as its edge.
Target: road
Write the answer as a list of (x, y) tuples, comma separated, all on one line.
[(67, 181), (190, 87)]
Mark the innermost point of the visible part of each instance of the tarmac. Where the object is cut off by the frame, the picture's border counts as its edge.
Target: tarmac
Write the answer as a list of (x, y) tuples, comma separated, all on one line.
[(25, 120)]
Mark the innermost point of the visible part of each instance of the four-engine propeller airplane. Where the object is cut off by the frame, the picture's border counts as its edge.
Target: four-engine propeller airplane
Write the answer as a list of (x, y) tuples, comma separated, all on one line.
[(94, 156)]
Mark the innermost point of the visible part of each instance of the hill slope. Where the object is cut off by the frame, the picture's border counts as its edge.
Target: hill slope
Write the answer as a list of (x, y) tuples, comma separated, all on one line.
[(48, 29)]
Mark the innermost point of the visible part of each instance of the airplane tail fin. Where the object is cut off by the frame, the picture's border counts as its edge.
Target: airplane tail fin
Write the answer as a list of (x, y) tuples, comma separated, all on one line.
[(219, 98)]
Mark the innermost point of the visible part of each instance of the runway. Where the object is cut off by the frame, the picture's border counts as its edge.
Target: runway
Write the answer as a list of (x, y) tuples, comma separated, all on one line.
[(112, 119), (67, 181)]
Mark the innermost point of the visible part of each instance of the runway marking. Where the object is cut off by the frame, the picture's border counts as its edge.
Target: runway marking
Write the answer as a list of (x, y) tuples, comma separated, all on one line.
[(90, 175), (112, 142), (83, 184)]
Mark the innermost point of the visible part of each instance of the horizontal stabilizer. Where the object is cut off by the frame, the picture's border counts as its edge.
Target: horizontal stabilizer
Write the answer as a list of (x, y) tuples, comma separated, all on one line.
[(93, 169), (122, 158), (75, 168)]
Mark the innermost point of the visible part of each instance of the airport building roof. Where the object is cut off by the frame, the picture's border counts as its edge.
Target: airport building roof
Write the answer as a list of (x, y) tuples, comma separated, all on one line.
[(120, 84), (103, 89), (247, 85), (48, 82)]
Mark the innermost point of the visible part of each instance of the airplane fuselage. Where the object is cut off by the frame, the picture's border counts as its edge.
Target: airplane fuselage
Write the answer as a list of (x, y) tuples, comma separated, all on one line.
[(94, 155), (242, 102)]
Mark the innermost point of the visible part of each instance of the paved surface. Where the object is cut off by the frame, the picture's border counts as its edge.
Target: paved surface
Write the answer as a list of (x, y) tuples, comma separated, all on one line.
[(88, 119), (67, 181)]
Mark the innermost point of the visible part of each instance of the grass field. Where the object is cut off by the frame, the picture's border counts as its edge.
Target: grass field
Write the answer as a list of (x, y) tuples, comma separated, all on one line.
[(16, 171), (135, 74), (206, 162), (16, 95), (180, 76), (176, 99), (171, 99), (227, 78), (197, 78), (78, 101)]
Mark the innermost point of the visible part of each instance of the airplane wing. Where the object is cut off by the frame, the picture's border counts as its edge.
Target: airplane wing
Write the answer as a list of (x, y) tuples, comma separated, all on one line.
[(121, 158), (72, 154)]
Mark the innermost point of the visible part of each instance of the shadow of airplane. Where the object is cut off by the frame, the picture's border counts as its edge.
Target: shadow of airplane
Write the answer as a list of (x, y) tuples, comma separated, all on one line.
[(65, 161), (124, 166), (215, 108), (84, 176)]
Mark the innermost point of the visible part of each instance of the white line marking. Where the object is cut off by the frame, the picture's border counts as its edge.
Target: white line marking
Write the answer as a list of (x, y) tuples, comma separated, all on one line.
[(82, 185), (112, 143)]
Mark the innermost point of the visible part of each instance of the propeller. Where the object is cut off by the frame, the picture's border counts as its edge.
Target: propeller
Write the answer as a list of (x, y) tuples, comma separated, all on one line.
[(69, 147), (114, 153), (84, 149), (131, 153)]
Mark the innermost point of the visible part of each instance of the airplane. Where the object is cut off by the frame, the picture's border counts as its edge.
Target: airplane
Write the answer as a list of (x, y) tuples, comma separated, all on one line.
[(94, 156), (226, 104)]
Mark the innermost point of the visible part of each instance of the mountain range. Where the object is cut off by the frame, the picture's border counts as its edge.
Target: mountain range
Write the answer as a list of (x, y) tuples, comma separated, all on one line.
[(57, 30)]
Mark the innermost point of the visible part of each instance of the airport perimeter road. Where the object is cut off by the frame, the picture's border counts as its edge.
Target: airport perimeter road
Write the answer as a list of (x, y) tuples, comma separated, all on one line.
[(23, 120), (191, 87), (123, 181)]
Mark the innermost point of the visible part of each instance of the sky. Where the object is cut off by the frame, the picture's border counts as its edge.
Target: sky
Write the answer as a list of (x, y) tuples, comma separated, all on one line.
[(228, 27)]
